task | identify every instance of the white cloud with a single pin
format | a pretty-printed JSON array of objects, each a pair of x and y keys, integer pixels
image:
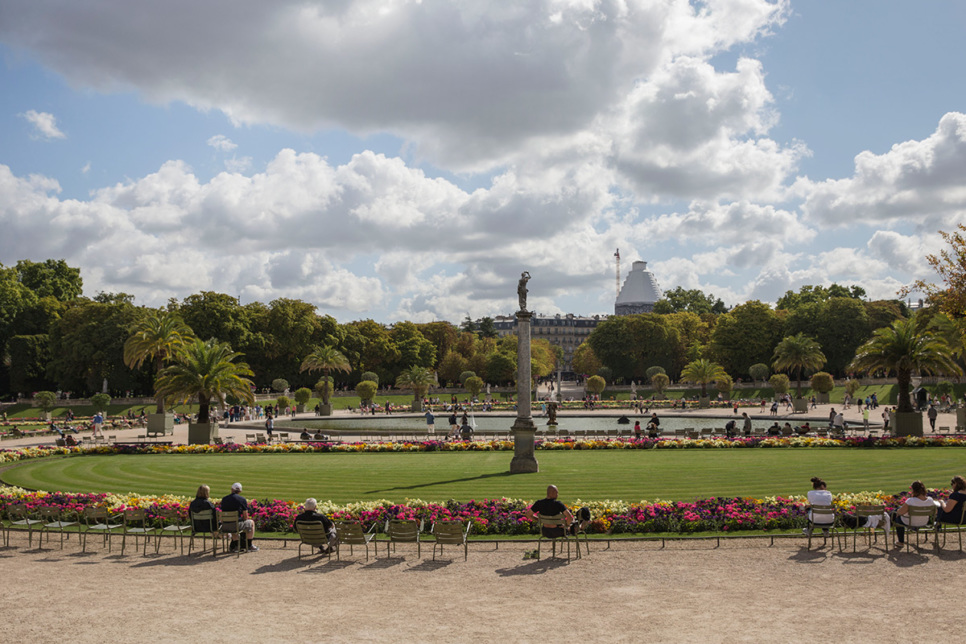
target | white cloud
[
  {"x": 920, "y": 181},
  {"x": 467, "y": 82},
  {"x": 221, "y": 143},
  {"x": 45, "y": 125}
]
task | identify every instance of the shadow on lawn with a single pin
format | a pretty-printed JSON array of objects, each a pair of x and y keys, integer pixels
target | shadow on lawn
[{"x": 420, "y": 485}]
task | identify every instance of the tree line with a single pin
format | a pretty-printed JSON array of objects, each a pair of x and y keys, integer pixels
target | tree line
[{"x": 52, "y": 337}]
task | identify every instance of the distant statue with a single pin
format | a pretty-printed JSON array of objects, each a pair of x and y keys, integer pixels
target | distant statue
[
  {"x": 522, "y": 290},
  {"x": 552, "y": 413}
]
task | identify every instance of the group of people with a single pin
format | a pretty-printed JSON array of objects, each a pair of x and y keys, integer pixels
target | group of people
[
  {"x": 460, "y": 429},
  {"x": 950, "y": 511},
  {"x": 233, "y": 502}
]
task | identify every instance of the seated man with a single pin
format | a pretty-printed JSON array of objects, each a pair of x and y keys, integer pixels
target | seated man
[
  {"x": 235, "y": 502},
  {"x": 309, "y": 515},
  {"x": 305, "y": 435},
  {"x": 774, "y": 430},
  {"x": 549, "y": 507}
]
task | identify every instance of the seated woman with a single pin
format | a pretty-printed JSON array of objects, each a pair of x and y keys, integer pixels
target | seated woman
[
  {"x": 952, "y": 510},
  {"x": 201, "y": 503},
  {"x": 919, "y": 499}
]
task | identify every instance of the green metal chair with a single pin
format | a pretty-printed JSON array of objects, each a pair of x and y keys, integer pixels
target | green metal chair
[
  {"x": 98, "y": 519},
  {"x": 136, "y": 524}
]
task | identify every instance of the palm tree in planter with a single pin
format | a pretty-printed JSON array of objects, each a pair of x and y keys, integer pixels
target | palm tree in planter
[
  {"x": 326, "y": 359},
  {"x": 798, "y": 353},
  {"x": 206, "y": 370},
  {"x": 703, "y": 372},
  {"x": 419, "y": 379},
  {"x": 903, "y": 348},
  {"x": 159, "y": 336}
]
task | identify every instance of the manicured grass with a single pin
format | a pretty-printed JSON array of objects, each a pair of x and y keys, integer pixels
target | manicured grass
[{"x": 437, "y": 476}]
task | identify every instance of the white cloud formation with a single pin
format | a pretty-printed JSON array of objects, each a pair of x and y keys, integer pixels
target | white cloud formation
[
  {"x": 467, "y": 81},
  {"x": 920, "y": 181},
  {"x": 45, "y": 125},
  {"x": 221, "y": 143}
]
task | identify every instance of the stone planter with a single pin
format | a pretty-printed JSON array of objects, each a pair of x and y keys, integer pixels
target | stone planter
[
  {"x": 202, "y": 433},
  {"x": 325, "y": 409},
  {"x": 906, "y": 423},
  {"x": 960, "y": 419},
  {"x": 704, "y": 402},
  {"x": 822, "y": 399},
  {"x": 800, "y": 405},
  {"x": 160, "y": 424},
  {"x": 417, "y": 404},
  {"x": 300, "y": 409}
]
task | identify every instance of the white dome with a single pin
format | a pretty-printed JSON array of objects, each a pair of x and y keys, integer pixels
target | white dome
[{"x": 640, "y": 287}]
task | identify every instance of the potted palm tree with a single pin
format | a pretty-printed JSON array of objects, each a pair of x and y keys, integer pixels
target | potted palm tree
[
  {"x": 906, "y": 347},
  {"x": 702, "y": 372},
  {"x": 798, "y": 353},
  {"x": 419, "y": 379},
  {"x": 206, "y": 371},
  {"x": 159, "y": 336},
  {"x": 326, "y": 359}
]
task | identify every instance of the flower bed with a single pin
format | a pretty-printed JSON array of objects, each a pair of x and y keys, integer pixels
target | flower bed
[
  {"x": 495, "y": 516},
  {"x": 14, "y": 455}
]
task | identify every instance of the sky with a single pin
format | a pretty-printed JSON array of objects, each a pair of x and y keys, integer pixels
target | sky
[{"x": 407, "y": 159}]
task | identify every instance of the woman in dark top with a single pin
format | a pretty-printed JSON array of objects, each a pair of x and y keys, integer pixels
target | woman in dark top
[
  {"x": 952, "y": 510},
  {"x": 201, "y": 503}
]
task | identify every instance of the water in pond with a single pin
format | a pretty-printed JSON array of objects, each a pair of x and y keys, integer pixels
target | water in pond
[{"x": 487, "y": 423}]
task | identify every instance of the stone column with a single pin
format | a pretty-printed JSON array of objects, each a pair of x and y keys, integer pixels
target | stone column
[{"x": 523, "y": 428}]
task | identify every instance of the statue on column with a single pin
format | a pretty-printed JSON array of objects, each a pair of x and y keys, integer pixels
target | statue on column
[{"x": 522, "y": 290}]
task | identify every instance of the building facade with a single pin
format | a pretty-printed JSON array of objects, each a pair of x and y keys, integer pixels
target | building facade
[{"x": 564, "y": 331}]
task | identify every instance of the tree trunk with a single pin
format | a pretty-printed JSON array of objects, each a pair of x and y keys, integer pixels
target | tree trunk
[
  {"x": 203, "y": 408},
  {"x": 159, "y": 408},
  {"x": 904, "y": 379}
]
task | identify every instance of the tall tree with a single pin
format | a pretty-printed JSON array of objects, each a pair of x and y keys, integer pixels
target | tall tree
[
  {"x": 158, "y": 336},
  {"x": 703, "y": 372},
  {"x": 52, "y": 277},
  {"x": 950, "y": 264},
  {"x": 746, "y": 335},
  {"x": 419, "y": 380},
  {"x": 206, "y": 370},
  {"x": 325, "y": 359},
  {"x": 694, "y": 300},
  {"x": 798, "y": 353},
  {"x": 903, "y": 348}
]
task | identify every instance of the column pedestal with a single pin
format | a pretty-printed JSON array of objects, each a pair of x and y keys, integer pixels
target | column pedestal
[{"x": 523, "y": 429}]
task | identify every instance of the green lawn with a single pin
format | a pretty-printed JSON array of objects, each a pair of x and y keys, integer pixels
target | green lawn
[{"x": 589, "y": 475}]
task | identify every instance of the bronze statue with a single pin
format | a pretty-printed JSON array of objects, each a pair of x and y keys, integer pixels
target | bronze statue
[
  {"x": 552, "y": 413},
  {"x": 522, "y": 290}
]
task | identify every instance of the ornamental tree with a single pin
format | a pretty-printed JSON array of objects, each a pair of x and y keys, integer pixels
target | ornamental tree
[
  {"x": 596, "y": 385},
  {"x": 822, "y": 382},
  {"x": 366, "y": 390}
]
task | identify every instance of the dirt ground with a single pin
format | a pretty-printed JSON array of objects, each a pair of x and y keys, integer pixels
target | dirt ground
[{"x": 742, "y": 591}]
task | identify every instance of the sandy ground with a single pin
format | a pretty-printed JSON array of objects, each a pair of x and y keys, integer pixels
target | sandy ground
[{"x": 743, "y": 591}]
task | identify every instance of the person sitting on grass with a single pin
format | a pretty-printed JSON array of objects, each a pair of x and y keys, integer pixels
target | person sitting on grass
[
  {"x": 235, "y": 502},
  {"x": 309, "y": 515},
  {"x": 952, "y": 510},
  {"x": 901, "y": 518}
]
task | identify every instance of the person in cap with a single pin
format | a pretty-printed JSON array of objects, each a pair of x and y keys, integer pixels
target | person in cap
[
  {"x": 235, "y": 502},
  {"x": 309, "y": 515}
]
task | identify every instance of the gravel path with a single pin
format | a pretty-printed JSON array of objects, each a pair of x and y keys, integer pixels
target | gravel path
[{"x": 743, "y": 591}]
